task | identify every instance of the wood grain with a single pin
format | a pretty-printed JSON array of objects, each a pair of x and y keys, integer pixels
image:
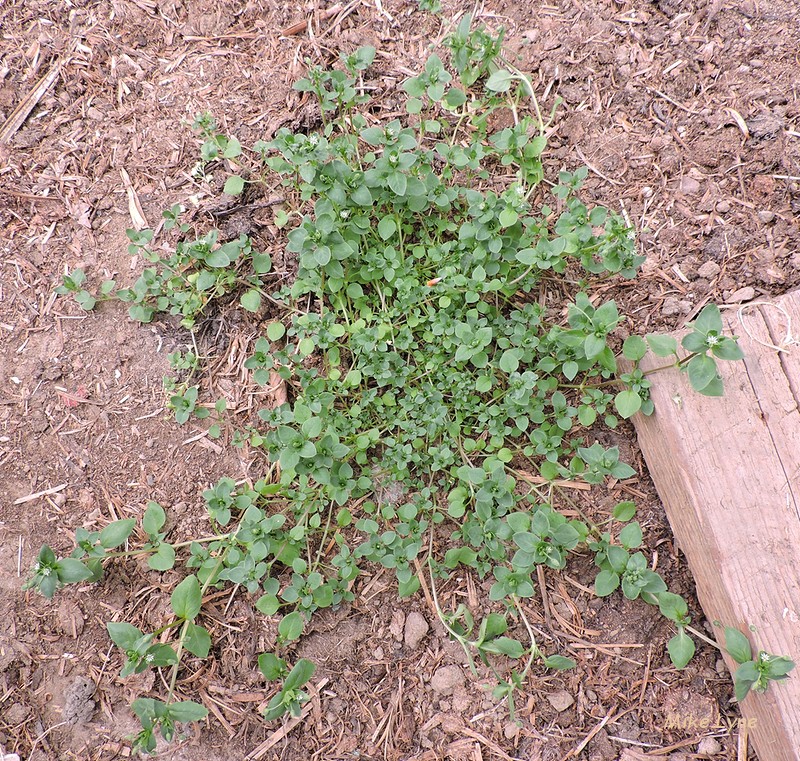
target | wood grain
[{"x": 728, "y": 472}]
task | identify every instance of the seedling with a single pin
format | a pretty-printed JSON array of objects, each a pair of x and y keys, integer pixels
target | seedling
[{"x": 755, "y": 672}]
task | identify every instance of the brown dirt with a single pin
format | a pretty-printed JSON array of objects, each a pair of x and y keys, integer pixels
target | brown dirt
[{"x": 687, "y": 113}]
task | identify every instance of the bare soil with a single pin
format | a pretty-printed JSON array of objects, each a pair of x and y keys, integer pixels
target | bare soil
[{"x": 687, "y": 114}]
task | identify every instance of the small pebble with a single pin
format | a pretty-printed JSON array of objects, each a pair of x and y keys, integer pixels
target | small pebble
[
  {"x": 747, "y": 293},
  {"x": 396, "y": 626},
  {"x": 511, "y": 730},
  {"x": 723, "y": 207},
  {"x": 708, "y": 746},
  {"x": 708, "y": 270},
  {"x": 689, "y": 186},
  {"x": 446, "y": 678},
  {"x": 766, "y": 216},
  {"x": 672, "y": 306},
  {"x": 560, "y": 700},
  {"x": 416, "y": 628}
]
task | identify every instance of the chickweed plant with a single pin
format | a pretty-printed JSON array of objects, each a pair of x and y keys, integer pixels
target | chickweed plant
[{"x": 420, "y": 359}]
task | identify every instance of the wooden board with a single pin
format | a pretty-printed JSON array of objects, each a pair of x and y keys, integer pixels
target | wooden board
[{"x": 728, "y": 472}]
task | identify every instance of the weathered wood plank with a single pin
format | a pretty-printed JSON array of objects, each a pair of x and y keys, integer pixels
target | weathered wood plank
[{"x": 728, "y": 472}]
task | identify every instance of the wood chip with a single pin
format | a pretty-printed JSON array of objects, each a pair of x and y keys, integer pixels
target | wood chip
[
  {"x": 134, "y": 207},
  {"x": 28, "y": 103}
]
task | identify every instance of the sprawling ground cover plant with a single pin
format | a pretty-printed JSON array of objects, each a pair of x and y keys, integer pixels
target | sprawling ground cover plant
[{"x": 435, "y": 399}]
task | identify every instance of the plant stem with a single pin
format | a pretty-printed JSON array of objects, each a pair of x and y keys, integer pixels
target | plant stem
[
  {"x": 185, "y": 627},
  {"x": 703, "y": 637}
]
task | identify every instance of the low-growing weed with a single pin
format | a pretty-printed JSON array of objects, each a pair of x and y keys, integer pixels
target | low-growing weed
[{"x": 422, "y": 357}]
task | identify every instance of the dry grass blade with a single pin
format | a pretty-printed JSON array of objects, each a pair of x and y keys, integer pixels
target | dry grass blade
[
  {"x": 28, "y": 103},
  {"x": 281, "y": 733},
  {"x": 36, "y": 495},
  {"x": 300, "y": 26}
]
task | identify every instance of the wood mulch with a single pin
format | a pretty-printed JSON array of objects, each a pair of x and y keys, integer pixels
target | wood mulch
[{"x": 686, "y": 113}]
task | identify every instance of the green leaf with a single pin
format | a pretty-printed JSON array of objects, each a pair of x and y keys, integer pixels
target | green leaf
[
  {"x": 713, "y": 389},
  {"x": 299, "y": 675},
  {"x": 527, "y": 256},
  {"x": 116, "y": 533},
  {"x": 251, "y": 300},
  {"x": 605, "y": 583},
  {"x": 695, "y": 342},
  {"x": 276, "y": 708},
  {"x": 272, "y": 667},
  {"x": 291, "y": 627},
  {"x": 508, "y": 217},
  {"x": 123, "y": 635},
  {"x": 187, "y": 710},
  {"x": 593, "y": 345},
  {"x": 234, "y": 185},
  {"x": 627, "y": 403},
  {"x": 672, "y": 606},
  {"x": 219, "y": 258},
  {"x": 634, "y": 348},
  {"x": 662, "y": 346},
  {"x": 483, "y": 384},
  {"x": 163, "y": 558},
  {"x": 681, "y": 649},
  {"x": 141, "y": 313},
  {"x": 186, "y": 598},
  {"x": 197, "y": 640},
  {"x": 493, "y": 626},
  {"x": 727, "y": 349},
  {"x": 624, "y": 511},
  {"x": 504, "y": 646},
  {"x": 509, "y": 360},
  {"x": 262, "y": 263},
  {"x": 268, "y": 604},
  {"x": 709, "y": 320},
  {"x": 570, "y": 369},
  {"x": 408, "y": 587},
  {"x": 70, "y": 571},
  {"x": 86, "y": 300},
  {"x": 154, "y": 518},
  {"x": 631, "y": 536},
  {"x": 745, "y": 678},
  {"x": 500, "y": 81},
  {"x": 737, "y": 645},
  {"x": 387, "y": 227},
  {"x": 454, "y": 98},
  {"x": 233, "y": 148},
  {"x": 702, "y": 370},
  {"x": 559, "y": 662},
  {"x": 413, "y": 106},
  {"x": 276, "y": 331},
  {"x": 148, "y": 708}
]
